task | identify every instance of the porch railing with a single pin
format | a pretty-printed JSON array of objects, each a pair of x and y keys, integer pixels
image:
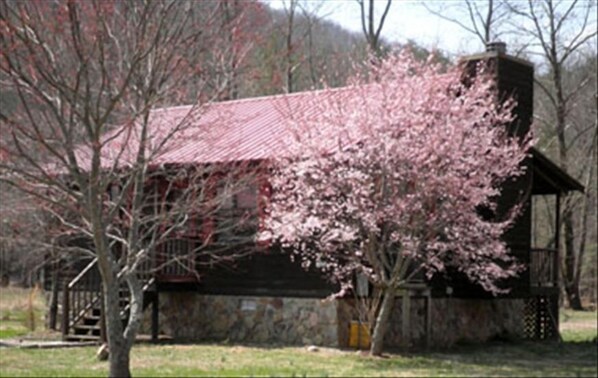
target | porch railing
[
  {"x": 543, "y": 267},
  {"x": 80, "y": 295},
  {"x": 176, "y": 259}
]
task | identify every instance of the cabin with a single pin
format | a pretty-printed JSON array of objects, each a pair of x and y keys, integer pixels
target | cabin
[{"x": 267, "y": 298}]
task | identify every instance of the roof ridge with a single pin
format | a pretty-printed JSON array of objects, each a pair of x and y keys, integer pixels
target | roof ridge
[
  {"x": 169, "y": 108},
  {"x": 258, "y": 98},
  {"x": 273, "y": 96}
]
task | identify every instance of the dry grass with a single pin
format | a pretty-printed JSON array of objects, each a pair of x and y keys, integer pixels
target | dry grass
[
  {"x": 22, "y": 313},
  {"x": 16, "y": 298}
]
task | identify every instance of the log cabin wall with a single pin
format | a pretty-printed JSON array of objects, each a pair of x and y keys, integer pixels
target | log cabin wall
[{"x": 268, "y": 272}]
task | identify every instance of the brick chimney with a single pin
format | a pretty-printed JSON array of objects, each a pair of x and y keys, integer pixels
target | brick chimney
[{"x": 514, "y": 77}]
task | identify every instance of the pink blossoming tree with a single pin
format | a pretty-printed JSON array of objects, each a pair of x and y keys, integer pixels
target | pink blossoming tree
[{"x": 386, "y": 178}]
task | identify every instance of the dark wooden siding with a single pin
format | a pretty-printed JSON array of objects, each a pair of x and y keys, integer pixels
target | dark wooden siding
[
  {"x": 264, "y": 273},
  {"x": 519, "y": 286},
  {"x": 516, "y": 80},
  {"x": 518, "y": 238}
]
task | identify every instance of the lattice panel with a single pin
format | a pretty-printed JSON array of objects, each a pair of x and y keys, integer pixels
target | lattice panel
[
  {"x": 529, "y": 318},
  {"x": 540, "y": 318}
]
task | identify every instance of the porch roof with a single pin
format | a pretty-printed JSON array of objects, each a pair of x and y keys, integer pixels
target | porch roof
[{"x": 549, "y": 178}]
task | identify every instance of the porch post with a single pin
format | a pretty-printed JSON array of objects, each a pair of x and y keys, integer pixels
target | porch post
[
  {"x": 103, "y": 335},
  {"x": 65, "y": 309},
  {"x": 406, "y": 315},
  {"x": 557, "y": 221},
  {"x": 428, "y": 318},
  {"x": 557, "y": 240},
  {"x": 155, "y": 316},
  {"x": 554, "y": 300}
]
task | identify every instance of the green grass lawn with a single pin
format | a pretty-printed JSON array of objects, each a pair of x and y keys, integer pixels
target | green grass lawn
[
  {"x": 526, "y": 359},
  {"x": 575, "y": 357},
  {"x": 579, "y": 326}
]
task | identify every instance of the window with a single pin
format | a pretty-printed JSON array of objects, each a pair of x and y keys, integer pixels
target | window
[
  {"x": 362, "y": 285},
  {"x": 151, "y": 200},
  {"x": 237, "y": 215},
  {"x": 182, "y": 206}
]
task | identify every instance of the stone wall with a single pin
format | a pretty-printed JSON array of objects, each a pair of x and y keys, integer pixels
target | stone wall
[
  {"x": 453, "y": 321},
  {"x": 188, "y": 316},
  {"x": 468, "y": 320},
  {"x": 293, "y": 321}
]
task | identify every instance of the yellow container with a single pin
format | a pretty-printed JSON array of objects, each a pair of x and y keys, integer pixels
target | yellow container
[{"x": 359, "y": 335}]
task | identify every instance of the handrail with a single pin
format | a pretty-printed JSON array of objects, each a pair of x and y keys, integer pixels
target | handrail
[
  {"x": 544, "y": 250},
  {"x": 145, "y": 287},
  {"x": 175, "y": 257},
  {"x": 83, "y": 292},
  {"x": 79, "y": 296},
  {"x": 83, "y": 273}
]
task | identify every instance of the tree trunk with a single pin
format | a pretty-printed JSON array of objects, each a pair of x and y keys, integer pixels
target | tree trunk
[
  {"x": 571, "y": 283},
  {"x": 573, "y": 296},
  {"x": 289, "y": 47},
  {"x": 382, "y": 322},
  {"x": 118, "y": 347},
  {"x": 135, "y": 309},
  {"x": 119, "y": 361}
]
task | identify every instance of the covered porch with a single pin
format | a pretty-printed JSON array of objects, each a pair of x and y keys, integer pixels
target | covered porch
[{"x": 550, "y": 186}]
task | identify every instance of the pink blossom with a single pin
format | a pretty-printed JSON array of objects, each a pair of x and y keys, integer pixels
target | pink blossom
[{"x": 394, "y": 171}]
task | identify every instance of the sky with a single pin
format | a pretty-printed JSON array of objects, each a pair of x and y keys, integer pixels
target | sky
[
  {"x": 410, "y": 20},
  {"x": 406, "y": 20}
]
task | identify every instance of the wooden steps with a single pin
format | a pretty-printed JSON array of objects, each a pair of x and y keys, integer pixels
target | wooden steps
[
  {"x": 88, "y": 328},
  {"x": 82, "y": 305}
]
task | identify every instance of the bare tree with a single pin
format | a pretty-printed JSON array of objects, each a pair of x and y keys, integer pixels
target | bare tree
[
  {"x": 485, "y": 19},
  {"x": 290, "y": 10},
  {"x": 87, "y": 138},
  {"x": 371, "y": 31},
  {"x": 311, "y": 16},
  {"x": 558, "y": 32},
  {"x": 297, "y": 14},
  {"x": 229, "y": 60},
  {"x": 296, "y": 30}
]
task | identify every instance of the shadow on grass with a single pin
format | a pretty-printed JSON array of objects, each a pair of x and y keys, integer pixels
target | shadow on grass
[
  {"x": 495, "y": 358},
  {"x": 500, "y": 358}
]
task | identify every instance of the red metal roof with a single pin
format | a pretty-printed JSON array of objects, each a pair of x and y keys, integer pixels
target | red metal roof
[{"x": 238, "y": 130}]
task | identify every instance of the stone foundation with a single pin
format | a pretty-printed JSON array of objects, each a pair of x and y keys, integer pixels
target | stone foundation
[
  {"x": 475, "y": 321},
  {"x": 292, "y": 321},
  {"x": 453, "y": 321},
  {"x": 303, "y": 321}
]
